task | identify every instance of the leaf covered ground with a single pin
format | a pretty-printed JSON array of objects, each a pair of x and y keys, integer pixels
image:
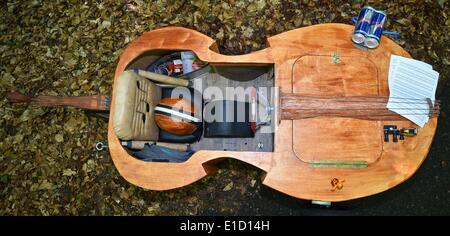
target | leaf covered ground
[{"x": 48, "y": 163}]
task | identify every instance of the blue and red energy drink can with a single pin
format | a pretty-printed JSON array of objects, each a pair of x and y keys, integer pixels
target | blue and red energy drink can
[
  {"x": 362, "y": 26},
  {"x": 376, "y": 29}
]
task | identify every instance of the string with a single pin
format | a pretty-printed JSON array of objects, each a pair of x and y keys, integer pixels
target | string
[
  {"x": 406, "y": 101},
  {"x": 381, "y": 101},
  {"x": 375, "y": 99},
  {"x": 381, "y": 109},
  {"x": 364, "y": 115},
  {"x": 388, "y": 114}
]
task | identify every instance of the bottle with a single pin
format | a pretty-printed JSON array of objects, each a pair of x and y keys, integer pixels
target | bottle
[{"x": 187, "y": 57}]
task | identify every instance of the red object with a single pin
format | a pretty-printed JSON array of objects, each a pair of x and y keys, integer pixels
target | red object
[{"x": 253, "y": 126}]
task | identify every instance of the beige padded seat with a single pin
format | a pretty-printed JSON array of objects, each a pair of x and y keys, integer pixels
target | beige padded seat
[{"x": 135, "y": 100}]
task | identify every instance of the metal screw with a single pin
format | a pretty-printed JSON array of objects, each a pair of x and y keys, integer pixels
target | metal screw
[
  {"x": 100, "y": 146},
  {"x": 260, "y": 145}
]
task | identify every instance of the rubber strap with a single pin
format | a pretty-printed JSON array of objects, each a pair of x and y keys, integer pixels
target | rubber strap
[{"x": 396, "y": 35}]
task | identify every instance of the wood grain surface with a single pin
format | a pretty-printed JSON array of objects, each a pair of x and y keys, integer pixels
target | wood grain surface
[{"x": 303, "y": 60}]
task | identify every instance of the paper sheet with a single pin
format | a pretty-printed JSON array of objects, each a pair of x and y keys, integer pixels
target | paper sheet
[{"x": 412, "y": 85}]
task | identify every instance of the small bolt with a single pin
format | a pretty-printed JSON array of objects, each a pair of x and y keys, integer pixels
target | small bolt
[{"x": 100, "y": 146}]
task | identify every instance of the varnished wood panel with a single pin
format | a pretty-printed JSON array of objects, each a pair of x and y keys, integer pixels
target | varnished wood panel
[
  {"x": 336, "y": 138},
  {"x": 342, "y": 139},
  {"x": 327, "y": 77}
]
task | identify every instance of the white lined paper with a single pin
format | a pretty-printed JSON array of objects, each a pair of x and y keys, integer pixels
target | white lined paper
[{"x": 411, "y": 84}]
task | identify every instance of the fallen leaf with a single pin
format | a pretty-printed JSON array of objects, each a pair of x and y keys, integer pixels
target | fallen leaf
[
  {"x": 69, "y": 172},
  {"x": 59, "y": 138},
  {"x": 228, "y": 187}
]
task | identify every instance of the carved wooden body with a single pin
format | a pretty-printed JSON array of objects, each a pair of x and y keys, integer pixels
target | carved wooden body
[{"x": 304, "y": 66}]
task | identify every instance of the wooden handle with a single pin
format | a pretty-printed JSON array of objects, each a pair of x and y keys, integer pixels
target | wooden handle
[
  {"x": 95, "y": 102},
  {"x": 163, "y": 78},
  {"x": 295, "y": 107},
  {"x": 16, "y": 97},
  {"x": 140, "y": 145}
]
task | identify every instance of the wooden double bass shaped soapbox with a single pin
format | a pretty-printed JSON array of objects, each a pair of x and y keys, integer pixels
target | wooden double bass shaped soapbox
[
  {"x": 327, "y": 134},
  {"x": 328, "y": 141}
]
